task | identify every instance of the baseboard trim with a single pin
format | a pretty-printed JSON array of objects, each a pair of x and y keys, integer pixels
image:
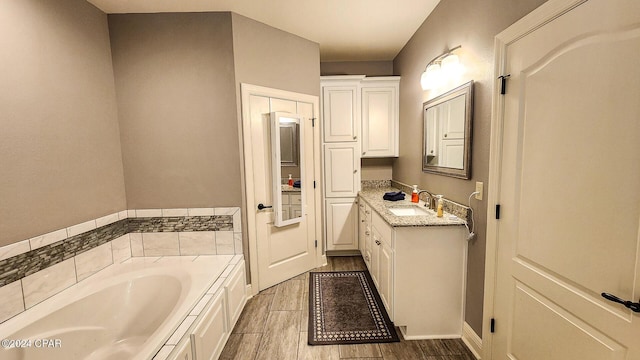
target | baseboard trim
[
  {"x": 249, "y": 291},
  {"x": 472, "y": 340}
]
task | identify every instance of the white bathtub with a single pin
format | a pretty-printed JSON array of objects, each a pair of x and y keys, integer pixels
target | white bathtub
[{"x": 126, "y": 311}]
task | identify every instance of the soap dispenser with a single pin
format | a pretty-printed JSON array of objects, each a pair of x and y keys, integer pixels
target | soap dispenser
[
  {"x": 414, "y": 194},
  {"x": 290, "y": 180},
  {"x": 440, "y": 205}
]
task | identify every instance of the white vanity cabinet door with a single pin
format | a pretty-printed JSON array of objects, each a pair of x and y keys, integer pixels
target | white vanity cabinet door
[
  {"x": 341, "y": 224},
  {"x": 212, "y": 332},
  {"x": 340, "y": 113},
  {"x": 183, "y": 351},
  {"x": 380, "y": 118},
  {"x": 385, "y": 276},
  {"x": 235, "y": 292},
  {"x": 341, "y": 170}
]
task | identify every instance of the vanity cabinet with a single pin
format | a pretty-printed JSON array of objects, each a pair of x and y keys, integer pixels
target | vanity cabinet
[
  {"x": 380, "y": 117},
  {"x": 419, "y": 272},
  {"x": 364, "y": 231},
  {"x": 341, "y": 226}
]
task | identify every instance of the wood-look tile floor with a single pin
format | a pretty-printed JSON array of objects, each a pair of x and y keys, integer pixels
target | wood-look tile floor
[{"x": 273, "y": 326}]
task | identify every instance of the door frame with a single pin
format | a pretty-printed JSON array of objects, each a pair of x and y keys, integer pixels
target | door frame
[
  {"x": 248, "y": 90},
  {"x": 548, "y": 11}
]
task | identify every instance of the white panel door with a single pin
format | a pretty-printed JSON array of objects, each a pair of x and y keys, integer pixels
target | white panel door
[
  {"x": 340, "y": 113},
  {"x": 282, "y": 252},
  {"x": 341, "y": 170},
  {"x": 569, "y": 187},
  {"x": 379, "y": 121},
  {"x": 342, "y": 224}
]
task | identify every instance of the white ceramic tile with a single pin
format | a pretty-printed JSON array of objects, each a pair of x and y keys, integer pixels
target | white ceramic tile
[
  {"x": 124, "y": 214},
  {"x": 14, "y": 249},
  {"x": 175, "y": 212},
  {"x": 237, "y": 243},
  {"x": 236, "y": 259},
  {"x": 81, "y": 228},
  {"x": 94, "y": 260},
  {"x": 149, "y": 213},
  {"x": 106, "y": 220},
  {"x": 216, "y": 286},
  {"x": 201, "y": 212},
  {"x": 224, "y": 243},
  {"x": 227, "y": 270},
  {"x": 141, "y": 260},
  {"x": 131, "y": 214},
  {"x": 225, "y": 210},
  {"x": 48, "y": 282},
  {"x": 237, "y": 221},
  {"x": 177, "y": 259},
  {"x": 201, "y": 305},
  {"x": 46, "y": 239},
  {"x": 160, "y": 244},
  {"x": 164, "y": 352},
  {"x": 136, "y": 244},
  {"x": 197, "y": 243},
  {"x": 181, "y": 330},
  {"x": 12, "y": 302},
  {"x": 121, "y": 248}
]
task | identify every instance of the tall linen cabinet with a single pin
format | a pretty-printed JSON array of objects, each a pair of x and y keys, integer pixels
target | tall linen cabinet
[{"x": 359, "y": 117}]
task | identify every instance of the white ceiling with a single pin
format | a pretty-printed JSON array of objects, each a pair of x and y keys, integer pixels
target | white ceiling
[{"x": 347, "y": 30}]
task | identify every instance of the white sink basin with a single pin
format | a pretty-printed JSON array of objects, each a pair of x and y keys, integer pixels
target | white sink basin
[{"x": 408, "y": 211}]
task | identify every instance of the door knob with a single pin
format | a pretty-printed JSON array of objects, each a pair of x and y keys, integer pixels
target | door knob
[
  {"x": 629, "y": 304},
  {"x": 261, "y": 206}
]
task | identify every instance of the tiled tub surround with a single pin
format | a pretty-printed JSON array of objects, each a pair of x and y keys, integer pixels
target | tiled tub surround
[
  {"x": 170, "y": 293},
  {"x": 38, "y": 268}
]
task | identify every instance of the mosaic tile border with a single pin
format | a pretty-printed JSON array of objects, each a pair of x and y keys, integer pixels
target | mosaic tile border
[
  {"x": 27, "y": 257},
  {"x": 452, "y": 207}
]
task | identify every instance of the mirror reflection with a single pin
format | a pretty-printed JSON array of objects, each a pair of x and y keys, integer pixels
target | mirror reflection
[
  {"x": 287, "y": 182},
  {"x": 447, "y": 133}
]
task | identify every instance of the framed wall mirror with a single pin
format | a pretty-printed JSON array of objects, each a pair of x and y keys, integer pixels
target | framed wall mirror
[
  {"x": 286, "y": 159},
  {"x": 447, "y": 133}
]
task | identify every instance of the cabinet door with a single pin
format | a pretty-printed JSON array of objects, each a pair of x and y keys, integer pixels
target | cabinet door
[
  {"x": 374, "y": 270},
  {"x": 341, "y": 170},
  {"x": 340, "y": 113},
  {"x": 212, "y": 332},
  {"x": 385, "y": 276},
  {"x": 235, "y": 292},
  {"x": 380, "y": 121},
  {"x": 362, "y": 230},
  {"x": 342, "y": 224}
]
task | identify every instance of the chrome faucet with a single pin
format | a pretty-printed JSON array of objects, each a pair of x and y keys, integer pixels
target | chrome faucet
[{"x": 430, "y": 202}]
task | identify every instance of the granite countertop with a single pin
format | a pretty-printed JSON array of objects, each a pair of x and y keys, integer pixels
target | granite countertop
[
  {"x": 373, "y": 197},
  {"x": 287, "y": 188}
]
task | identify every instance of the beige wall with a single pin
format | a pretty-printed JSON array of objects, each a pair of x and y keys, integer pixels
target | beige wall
[
  {"x": 472, "y": 24},
  {"x": 60, "y": 160},
  {"x": 174, "y": 77},
  {"x": 273, "y": 58},
  {"x": 369, "y": 68}
]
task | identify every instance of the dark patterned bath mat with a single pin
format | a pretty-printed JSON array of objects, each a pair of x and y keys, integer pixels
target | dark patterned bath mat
[{"x": 345, "y": 308}]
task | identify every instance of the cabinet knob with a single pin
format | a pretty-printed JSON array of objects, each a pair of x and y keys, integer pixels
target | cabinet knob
[
  {"x": 364, "y": 152},
  {"x": 362, "y": 220},
  {"x": 355, "y": 137},
  {"x": 378, "y": 242},
  {"x": 445, "y": 135},
  {"x": 367, "y": 233},
  {"x": 355, "y": 171}
]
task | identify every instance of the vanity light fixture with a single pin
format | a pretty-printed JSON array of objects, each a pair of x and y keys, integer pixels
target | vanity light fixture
[{"x": 442, "y": 67}]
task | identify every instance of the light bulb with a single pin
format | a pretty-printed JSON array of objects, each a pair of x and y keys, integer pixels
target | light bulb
[{"x": 430, "y": 78}]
